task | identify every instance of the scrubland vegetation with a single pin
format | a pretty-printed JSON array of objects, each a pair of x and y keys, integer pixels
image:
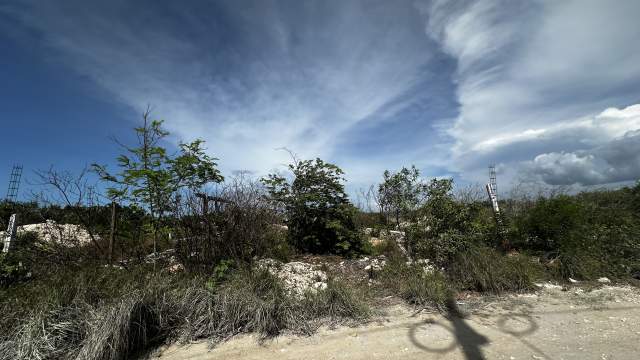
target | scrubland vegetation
[{"x": 179, "y": 265}]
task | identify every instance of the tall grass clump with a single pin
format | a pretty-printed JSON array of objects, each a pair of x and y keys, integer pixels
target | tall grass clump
[
  {"x": 484, "y": 269},
  {"x": 112, "y": 320},
  {"x": 248, "y": 302},
  {"x": 414, "y": 285},
  {"x": 337, "y": 302},
  {"x": 256, "y": 302}
]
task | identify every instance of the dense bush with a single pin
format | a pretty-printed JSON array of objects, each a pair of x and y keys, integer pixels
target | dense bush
[
  {"x": 318, "y": 213},
  {"x": 584, "y": 236},
  {"x": 444, "y": 226},
  {"x": 549, "y": 221}
]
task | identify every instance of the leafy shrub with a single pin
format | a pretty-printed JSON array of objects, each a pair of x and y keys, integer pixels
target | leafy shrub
[
  {"x": 400, "y": 193},
  {"x": 444, "y": 227},
  {"x": 585, "y": 236},
  {"x": 443, "y": 247},
  {"x": 549, "y": 221},
  {"x": 318, "y": 213},
  {"x": 10, "y": 270},
  {"x": 15, "y": 265},
  {"x": 595, "y": 250}
]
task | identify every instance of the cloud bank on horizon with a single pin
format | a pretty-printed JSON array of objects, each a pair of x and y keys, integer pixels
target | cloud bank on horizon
[{"x": 549, "y": 90}]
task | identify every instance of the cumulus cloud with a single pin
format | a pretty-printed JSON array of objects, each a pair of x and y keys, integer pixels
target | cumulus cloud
[{"x": 616, "y": 161}]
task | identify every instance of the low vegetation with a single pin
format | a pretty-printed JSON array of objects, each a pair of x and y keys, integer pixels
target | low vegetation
[
  {"x": 413, "y": 284},
  {"x": 113, "y": 314},
  {"x": 171, "y": 254}
]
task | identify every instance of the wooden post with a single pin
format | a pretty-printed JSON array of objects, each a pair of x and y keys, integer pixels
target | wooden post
[{"x": 112, "y": 233}]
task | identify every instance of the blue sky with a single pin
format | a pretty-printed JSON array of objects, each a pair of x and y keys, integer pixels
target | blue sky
[{"x": 547, "y": 90}]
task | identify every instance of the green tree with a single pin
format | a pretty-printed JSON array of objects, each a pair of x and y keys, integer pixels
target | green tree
[
  {"x": 319, "y": 215},
  {"x": 150, "y": 178},
  {"x": 400, "y": 193}
]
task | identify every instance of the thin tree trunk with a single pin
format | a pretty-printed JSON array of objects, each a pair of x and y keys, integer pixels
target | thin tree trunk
[{"x": 112, "y": 233}]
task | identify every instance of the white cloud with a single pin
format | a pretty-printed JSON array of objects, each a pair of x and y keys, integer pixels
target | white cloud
[
  {"x": 271, "y": 79},
  {"x": 532, "y": 77},
  {"x": 615, "y": 161}
]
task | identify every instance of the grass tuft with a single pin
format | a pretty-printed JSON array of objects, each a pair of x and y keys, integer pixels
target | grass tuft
[
  {"x": 410, "y": 282},
  {"x": 486, "y": 270}
]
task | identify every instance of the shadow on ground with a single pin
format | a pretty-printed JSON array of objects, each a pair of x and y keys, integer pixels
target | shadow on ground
[
  {"x": 464, "y": 336},
  {"x": 470, "y": 342}
]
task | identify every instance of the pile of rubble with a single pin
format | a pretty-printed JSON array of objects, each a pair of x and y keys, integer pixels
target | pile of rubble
[
  {"x": 297, "y": 277},
  {"x": 50, "y": 231}
]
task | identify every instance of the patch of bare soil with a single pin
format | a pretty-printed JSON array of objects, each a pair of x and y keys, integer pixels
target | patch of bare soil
[{"x": 554, "y": 323}]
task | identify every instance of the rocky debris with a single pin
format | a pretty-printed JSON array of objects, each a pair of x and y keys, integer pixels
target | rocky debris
[
  {"x": 113, "y": 266},
  {"x": 573, "y": 281},
  {"x": 374, "y": 264},
  {"x": 365, "y": 264},
  {"x": 387, "y": 235},
  {"x": 63, "y": 234},
  {"x": 297, "y": 277},
  {"x": 604, "y": 280},
  {"x": 168, "y": 255},
  {"x": 166, "y": 258},
  {"x": 426, "y": 265},
  {"x": 548, "y": 286},
  {"x": 175, "y": 268},
  {"x": 614, "y": 293}
]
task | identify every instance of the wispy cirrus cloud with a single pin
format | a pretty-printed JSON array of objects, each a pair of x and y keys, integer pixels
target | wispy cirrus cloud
[
  {"x": 251, "y": 77},
  {"x": 533, "y": 77},
  {"x": 536, "y": 87}
]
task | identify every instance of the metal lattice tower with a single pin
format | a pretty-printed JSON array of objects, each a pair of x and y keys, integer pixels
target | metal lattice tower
[
  {"x": 492, "y": 179},
  {"x": 90, "y": 195},
  {"x": 14, "y": 183}
]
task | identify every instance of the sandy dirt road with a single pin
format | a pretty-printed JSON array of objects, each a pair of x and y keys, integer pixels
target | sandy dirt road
[{"x": 551, "y": 324}]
